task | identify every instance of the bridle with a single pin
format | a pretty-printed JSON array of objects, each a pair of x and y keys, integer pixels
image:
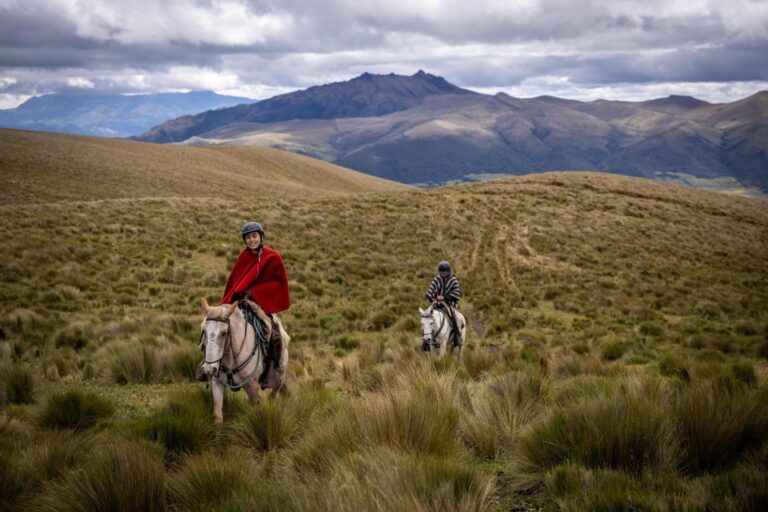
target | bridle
[
  {"x": 227, "y": 342},
  {"x": 432, "y": 336},
  {"x": 258, "y": 342}
]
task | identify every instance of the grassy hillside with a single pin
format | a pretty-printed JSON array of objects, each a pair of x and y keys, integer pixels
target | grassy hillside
[
  {"x": 45, "y": 167},
  {"x": 616, "y": 357}
]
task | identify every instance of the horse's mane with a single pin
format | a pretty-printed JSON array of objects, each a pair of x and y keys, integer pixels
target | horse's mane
[{"x": 218, "y": 312}]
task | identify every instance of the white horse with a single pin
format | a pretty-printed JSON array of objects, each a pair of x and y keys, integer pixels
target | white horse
[
  {"x": 436, "y": 330},
  {"x": 233, "y": 348}
]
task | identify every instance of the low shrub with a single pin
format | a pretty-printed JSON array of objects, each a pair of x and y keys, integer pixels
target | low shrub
[{"x": 74, "y": 409}]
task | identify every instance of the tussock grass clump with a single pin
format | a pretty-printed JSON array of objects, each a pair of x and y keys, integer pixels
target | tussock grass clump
[
  {"x": 417, "y": 421},
  {"x": 122, "y": 477},
  {"x": 494, "y": 418},
  {"x": 75, "y": 336},
  {"x": 181, "y": 364},
  {"x": 53, "y": 453},
  {"x": 613, "y": 349},
  {"x": 15, "y": 479},
  {"x": 18, "y": 385},
  {"x": 576, "y": 488},
  {"x": 744, "y": 488},
  {"x": 206, "y": 480},
  {"x": 183, "y": 425},
  {"x": 744, "y": 372},
  {"x": 418, "y": 415},
  {"x": 672, "y": 365},
  {"x": 136, "y": 364},
  {"x": 408, "y": 482},
  {"x": 479, "y": 361},
  {"x": 717, "y": 424},
  {"x": 268, "y": 426},
  {"x": 13, "y": 433},
  {"x": 328, "y": 441},
  {"x": 74, "y": 409},
  {"x": 621, "y": 431},
  {"x": 379, "y": 479}
]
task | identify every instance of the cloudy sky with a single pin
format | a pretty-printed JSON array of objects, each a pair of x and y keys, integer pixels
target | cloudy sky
[{"x": 716, "y": 50}]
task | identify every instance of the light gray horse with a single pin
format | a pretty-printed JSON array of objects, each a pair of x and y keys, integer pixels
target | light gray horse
[
  {"x": 233, "y": 357},
  {"x": 436, "y": 330}
]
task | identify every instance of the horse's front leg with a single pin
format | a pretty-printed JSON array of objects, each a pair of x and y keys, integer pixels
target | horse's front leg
[
  {"x": 443, "y": 345},
  {"x": 218, "y": 401},
  {"x": 252, "y": 390}
]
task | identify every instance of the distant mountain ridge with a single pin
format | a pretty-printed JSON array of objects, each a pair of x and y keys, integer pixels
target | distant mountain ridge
[
  {"x": 423, "y": 129},
  {"x": 110, "y": 115},
  {"x": 365, "y": 96}
]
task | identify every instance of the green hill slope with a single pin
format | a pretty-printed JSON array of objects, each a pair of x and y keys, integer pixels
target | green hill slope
[
  {"x": 46, "y": 167},
  {"x": 618, "y": 332}
]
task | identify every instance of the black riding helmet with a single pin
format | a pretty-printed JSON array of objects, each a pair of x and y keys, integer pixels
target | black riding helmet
[
  {"x": 444, "y": 266},
  {"x": 252, "y": 227}
]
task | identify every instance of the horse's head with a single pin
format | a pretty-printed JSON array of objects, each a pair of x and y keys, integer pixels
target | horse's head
[
  {"x": 215, "y": 337},
  {"x": 427, "y": 326}
]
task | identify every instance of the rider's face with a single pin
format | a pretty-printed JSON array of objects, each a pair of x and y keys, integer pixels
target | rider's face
[{"x": 253, "y": 240}]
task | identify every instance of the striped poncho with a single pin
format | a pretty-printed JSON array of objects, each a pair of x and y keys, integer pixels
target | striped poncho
[{"x": 447, "y": 286}]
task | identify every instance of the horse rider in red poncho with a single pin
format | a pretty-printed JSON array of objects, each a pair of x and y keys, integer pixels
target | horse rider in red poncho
[{"x": 259, "y": 275}]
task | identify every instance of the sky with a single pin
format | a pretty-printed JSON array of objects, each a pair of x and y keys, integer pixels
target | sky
[{"x": 715, "y": 50}]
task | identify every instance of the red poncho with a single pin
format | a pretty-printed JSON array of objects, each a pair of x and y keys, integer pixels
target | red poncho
[{"x": 264, "y": 275}]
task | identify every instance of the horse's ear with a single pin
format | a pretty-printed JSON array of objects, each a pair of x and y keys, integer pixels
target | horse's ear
[
  {"x": 232, "y": 308},
  {"x": 421, "y": 311},
  {"x": 204, "y": 305}
]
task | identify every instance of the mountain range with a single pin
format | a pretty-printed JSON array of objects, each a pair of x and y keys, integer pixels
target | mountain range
[
  {"x": 109, "y": 115},
  {"x": 422, "y": 129}
]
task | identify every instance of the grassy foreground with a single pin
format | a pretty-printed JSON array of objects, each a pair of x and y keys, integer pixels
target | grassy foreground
[{"x": 616, "y": 356}]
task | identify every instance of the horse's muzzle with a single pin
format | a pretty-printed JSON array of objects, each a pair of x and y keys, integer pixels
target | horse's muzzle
[
  {"x": 211, "y": 370},
  {"x": 426, "y": 346}
]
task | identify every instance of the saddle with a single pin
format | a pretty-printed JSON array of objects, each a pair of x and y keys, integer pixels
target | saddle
[
  {"x": 271, "y": 343},
  {"x": 450, "y": 312}
]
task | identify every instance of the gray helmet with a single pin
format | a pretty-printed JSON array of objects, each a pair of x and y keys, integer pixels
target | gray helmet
[
  {"x": 443, "y": 266},
  {"x": 252, "y": 227}
]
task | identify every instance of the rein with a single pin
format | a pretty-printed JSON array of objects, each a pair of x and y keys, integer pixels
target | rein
[
  {"x": 258, "y": 343},
  {"x": 434, "y": 334}
]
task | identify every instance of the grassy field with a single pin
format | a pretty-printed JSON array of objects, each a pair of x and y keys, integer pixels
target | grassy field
[{"x": 616, "y": 357}]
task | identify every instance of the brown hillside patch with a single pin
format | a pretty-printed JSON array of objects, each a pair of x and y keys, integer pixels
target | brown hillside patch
[{"x": 45, "y": 167}]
